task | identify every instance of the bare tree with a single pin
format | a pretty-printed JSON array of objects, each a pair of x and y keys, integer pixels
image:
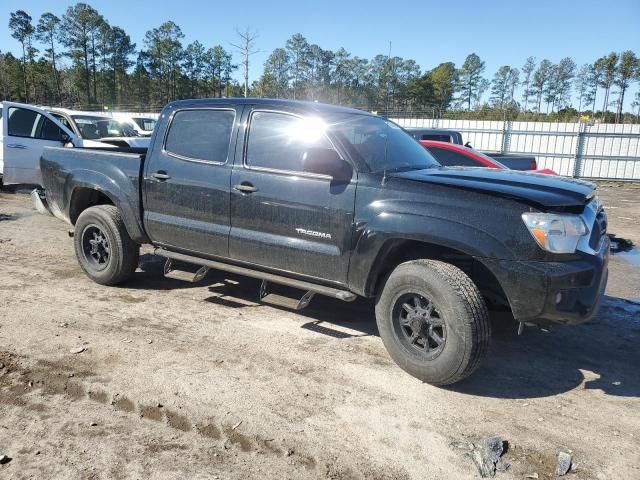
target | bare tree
[{"x": 246, "y": 47}]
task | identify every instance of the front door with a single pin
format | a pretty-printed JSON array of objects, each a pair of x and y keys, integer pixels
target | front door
[
  {"x": 186, "y": 181},
  {"x": 26, "y": 130},
  {"x": 281, "y": 217}
]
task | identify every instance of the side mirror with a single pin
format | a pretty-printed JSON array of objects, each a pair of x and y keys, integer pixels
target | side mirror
[
  {"x": 65, "y": 138},
  {"x": 326, "y": 161}
]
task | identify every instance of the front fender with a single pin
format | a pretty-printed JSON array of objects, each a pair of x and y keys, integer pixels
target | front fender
[{"x": 374, "y": 240}]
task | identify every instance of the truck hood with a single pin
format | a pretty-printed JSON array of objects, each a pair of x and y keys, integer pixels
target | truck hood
[{"x": 545, "y": 191}]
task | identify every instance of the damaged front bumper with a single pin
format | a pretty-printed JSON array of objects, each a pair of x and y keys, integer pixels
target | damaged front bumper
[
  {"x": 547, "y": 293},
  {"x": 40, "y": 201}
]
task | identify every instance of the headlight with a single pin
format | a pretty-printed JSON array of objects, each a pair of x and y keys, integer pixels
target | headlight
[{"x": 557, "y": 233}]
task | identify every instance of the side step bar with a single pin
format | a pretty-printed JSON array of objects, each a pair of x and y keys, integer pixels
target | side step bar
[
  {"x": 344, "y": 295},
  {"x": 175, "y": 273}
]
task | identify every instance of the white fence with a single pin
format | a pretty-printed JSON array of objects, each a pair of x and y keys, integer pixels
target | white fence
[
  {"x": 135, "y": 114},
  {"x": 605, "y": 151}
]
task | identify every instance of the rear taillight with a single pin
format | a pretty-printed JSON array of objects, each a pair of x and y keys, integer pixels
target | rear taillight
[{"x": 534, "y": 165}]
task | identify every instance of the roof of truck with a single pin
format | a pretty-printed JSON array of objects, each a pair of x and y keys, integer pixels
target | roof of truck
[
  {"x": 77, "y": 112},
  {"x": 319, "y": 107}
]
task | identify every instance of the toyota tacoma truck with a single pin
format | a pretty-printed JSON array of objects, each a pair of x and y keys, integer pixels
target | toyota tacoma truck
[{"x": 337, "y": 202}]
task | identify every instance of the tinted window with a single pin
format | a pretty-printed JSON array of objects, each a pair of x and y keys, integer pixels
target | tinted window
[
  {"x": 28, "y": 123},
  {"x": 436, "y": 137},
  {"x": 278, "y": 140},
  {"x": 49, "y": 130},
  {"x": 22, "y": 122},
  {"x": 201, "y": 134},
  {"x": 450, "y": 158}
]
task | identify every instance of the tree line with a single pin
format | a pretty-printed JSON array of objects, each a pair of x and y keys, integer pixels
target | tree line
[{"x": 79, "y": 59}]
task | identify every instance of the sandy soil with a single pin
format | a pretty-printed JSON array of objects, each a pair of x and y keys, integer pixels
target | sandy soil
[{"x": 201, "y": 381}]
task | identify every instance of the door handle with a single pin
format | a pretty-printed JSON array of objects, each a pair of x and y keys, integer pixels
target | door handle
[
  {"x": 161, "y": 175},
  {"x": 16, "y": 145},
  {"x": 245, "y": 188}
]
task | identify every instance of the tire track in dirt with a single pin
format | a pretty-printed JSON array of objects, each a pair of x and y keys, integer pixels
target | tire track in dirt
[{"x": 20, "y": 379}]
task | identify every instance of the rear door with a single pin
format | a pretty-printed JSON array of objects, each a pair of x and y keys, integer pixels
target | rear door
[
  {"x": 186, "y": 181},
  {"x": 281, "y": 217},
  {"x": 26, "y": 130}
]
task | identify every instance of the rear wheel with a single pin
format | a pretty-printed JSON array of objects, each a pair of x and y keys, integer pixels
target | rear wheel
[
  {"x": 433, "y": 321},
  {"x": 104, "y": 249}
]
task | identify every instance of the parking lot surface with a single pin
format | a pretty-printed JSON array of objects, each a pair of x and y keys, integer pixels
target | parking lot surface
[{"x": 180, "y": 380}]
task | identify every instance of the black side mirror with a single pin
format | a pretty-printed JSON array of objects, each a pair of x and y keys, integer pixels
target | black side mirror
[
  {"x": 326, "y": 161},
  {"x": 65, "y": 138}
]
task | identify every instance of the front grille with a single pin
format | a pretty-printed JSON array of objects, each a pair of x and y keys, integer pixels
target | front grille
[{"x": 599, "y": 230}]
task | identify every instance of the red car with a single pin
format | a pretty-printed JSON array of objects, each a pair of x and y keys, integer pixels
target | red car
[{"x": 452, "y": 155}]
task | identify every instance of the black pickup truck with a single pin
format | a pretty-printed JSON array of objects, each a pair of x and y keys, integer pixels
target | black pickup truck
[{"x": 338, "y": 202}]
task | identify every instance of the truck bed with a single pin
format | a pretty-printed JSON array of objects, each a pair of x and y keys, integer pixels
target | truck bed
[
  {"x": 66, "y": 171},
  {"x": 514, "y": 162}
]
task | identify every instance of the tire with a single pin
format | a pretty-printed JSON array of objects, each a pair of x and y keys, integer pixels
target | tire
[
  {"x": 103, "y": 246},
  {"x": 426, "y": 300}
]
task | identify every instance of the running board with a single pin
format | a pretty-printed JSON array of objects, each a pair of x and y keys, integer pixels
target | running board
[
  {"x": 170, "y": 271},
  {"x": 340, "y": 294},
  {"x": 292, "y": 303}
]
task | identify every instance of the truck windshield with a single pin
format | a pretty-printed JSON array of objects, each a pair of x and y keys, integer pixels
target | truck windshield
[
  {"x": 380, "y": 144},
  {"x": 93, "y": 128}
]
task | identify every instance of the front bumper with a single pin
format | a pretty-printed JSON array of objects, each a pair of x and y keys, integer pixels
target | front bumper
[{"x": 554, "y": 292}]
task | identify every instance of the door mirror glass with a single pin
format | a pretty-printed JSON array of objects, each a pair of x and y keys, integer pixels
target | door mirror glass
[{"x": 326, "y": 161}]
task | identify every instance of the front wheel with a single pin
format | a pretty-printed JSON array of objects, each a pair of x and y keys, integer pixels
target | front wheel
[
  {"x": 433, "y": 321},
  {"x": 104, "y": 249}
]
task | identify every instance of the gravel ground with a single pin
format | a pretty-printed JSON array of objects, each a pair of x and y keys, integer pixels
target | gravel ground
[{"x": 201, "y": 381}]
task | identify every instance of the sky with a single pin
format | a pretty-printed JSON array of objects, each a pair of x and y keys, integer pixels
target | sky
[{"x": 501, "y": 32}]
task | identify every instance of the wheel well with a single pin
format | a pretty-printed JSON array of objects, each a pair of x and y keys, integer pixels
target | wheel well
[
  {"x": 400, "y": 251},
  {"x": 84, "y": 198}
]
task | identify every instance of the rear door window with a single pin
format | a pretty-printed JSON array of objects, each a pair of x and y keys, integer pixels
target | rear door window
[
  {"x": 451, "y": 158},
  {"x": 201, "y": 135}
]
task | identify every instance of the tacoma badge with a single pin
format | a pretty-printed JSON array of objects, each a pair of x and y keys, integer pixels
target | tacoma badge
[{"x": 311, "y": 233}]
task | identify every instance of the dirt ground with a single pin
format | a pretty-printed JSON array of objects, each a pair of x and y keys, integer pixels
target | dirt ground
[{"x": 201, "y": 381}]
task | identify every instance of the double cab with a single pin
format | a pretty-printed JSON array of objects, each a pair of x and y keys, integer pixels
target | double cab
[{"x": 338, "y": 202}]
